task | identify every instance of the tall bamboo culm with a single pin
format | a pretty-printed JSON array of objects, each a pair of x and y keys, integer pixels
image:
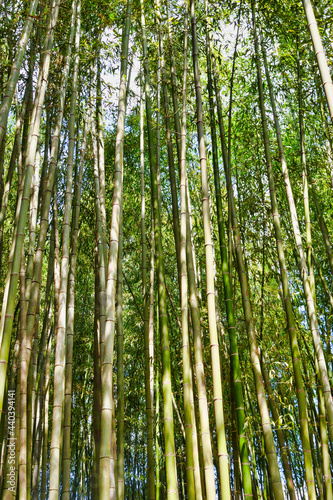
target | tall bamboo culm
[
  {"x": 170, "y": 455},
  {"x": 325, "y": 458},
  {"x": 207, "y": 478},
  {"x": 107, "y": 356},
  {"x": 23, "y": 205},
  {"x": 148, "y": 331},
  {"x": 310, "y": 302},
  {"x": 249, "y": 322},
  {"x": 187, "y": 368},
  {"x": 304, "y": 425},
  {"x": 61, "y": 332},
  {"x": 214, "y": 343},
  {"x": 120, "y": 372},
  {"x": 320, "y": 54},
  {"x": 234, "y": 357},
  {"x": 66, "y": 453},
  {"x": 15, "y": 70}
]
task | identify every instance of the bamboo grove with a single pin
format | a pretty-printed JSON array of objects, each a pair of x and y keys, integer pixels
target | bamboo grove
[{"x": 166, "y": 259}]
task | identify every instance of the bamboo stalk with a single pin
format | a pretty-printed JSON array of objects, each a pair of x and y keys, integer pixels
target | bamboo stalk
[
  {"x": 228, "y": 298},
  {"x": 303, "y": 417},
  {"x": 15, "y": 70},
  {"x": 23, "y": 201},
  {"x": 147, "y": 313},
  {"x": 107, "y": 356},
  {"x": 170, "y": 455},
  {"x": 60, "y": 343},
  {"x": 251, "y": 332},
  {"x": 66, "y": 455},
  {"x": 187, "y": 371},
  {"x": 120, "y": 372},
  {"x": 214, "y": 344},
  {"x": 310, "y": 303},
  {"x": 320, "y": 54}
]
